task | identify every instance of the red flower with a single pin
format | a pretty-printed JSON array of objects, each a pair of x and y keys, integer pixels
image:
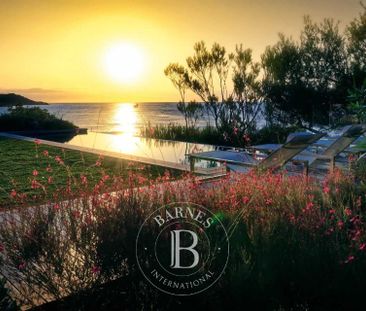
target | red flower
[
  {"x": 35, "y": 173},
  {"x": 13, "y": 193},
  {"x": 362, "y": 246},
  {"x": 246, "y": 138},
  {"x": 326, "y": 189},
  {"x": 58, "y": 160},
  {"x": 95, "y": 269},
  {"x": 348, "y": 212},
  {"x": 349, "y": 259},
  {"x": 45, "y": 153},
  {"x": 246, "y": 200},
  {"x": 105, "y": 177},
  {"x": 22, "y": 265},
  {"x": 352, "y": 158},
  {"x": 34, "y": 184},
  {"x": 357, "y": 235},
  {"x": 309, "y": 205},
  {"x": 359, "y": 201},
  {"x": 37, "y": 142}
]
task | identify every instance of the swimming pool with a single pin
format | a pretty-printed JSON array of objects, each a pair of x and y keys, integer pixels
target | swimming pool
[{"x": 139, "y": 147}]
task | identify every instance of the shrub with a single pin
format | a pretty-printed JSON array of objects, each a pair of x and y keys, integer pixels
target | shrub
[
  {"x": 211, "y": 135},
  {"x": 295, "y": 243},
  {"x": 29, "y": 119}
]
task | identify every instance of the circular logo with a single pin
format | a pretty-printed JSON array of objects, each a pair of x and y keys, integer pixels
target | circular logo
[{"x": 182, "y": 249}]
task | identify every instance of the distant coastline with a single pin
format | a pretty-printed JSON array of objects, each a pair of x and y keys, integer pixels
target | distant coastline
[{"x": 11, "y": 99}]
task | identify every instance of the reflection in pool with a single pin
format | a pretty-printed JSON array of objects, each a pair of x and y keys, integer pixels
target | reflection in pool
[{"x": 126, "y": 143}]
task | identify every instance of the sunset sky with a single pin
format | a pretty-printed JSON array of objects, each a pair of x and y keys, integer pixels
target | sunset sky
[{"x": 65, "y": 50}]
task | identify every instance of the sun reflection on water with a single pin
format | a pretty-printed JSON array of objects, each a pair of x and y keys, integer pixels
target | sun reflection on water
[{"x": 126, "y": 118}]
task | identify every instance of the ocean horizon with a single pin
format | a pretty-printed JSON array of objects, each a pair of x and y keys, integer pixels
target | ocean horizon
[{"x": 117, "y": 117}]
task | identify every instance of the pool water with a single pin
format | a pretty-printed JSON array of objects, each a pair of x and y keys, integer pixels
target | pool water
[{"x": 154, "y": 149}]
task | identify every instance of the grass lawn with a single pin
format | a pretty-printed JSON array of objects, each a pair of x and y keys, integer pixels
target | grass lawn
[{"x": 22, "y": 163}]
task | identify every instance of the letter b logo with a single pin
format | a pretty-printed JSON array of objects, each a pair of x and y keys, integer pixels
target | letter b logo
[
  {"x": 182, "y": 248},
  {"x": 176, "y": 249}
]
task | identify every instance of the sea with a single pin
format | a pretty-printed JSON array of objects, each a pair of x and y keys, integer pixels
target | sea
[
  {"x": 115, "y": 127},
  {"x": 117, "y": 117}
]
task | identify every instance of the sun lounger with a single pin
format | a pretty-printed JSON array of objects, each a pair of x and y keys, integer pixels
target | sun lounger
[{"x": 241, "y": 161}]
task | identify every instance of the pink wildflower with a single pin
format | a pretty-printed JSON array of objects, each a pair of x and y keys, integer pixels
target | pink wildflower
[
  {"x": 309, "y": 205},
  {"x": 13, "y": 193},
  {"x": 35, "y": 172},
  {"x": 58, "y": 160},
  {"x": 269, "y": 201},
  {"x": 349, "y": 259},
  {"x": 246, "y": 200},
  {"x": 356, "y": 235},
  {"x": 105, "y": 177},
  {"x": 34, "y": 184},
  {"x": 326, "y": 189},
  {"x": 95, "y": 269},
  {"x": 45, "y": 153},
  {"x": 359, "y": 201},
  {"x": 246, "y": 138}
]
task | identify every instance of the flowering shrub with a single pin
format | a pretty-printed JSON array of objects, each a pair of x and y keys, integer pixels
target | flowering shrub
[{"x": 295, "y": 242}]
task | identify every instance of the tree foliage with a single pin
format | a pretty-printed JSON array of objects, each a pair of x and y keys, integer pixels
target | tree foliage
[
  {"x": 357, "y": 103},
  {"x": 356, "y": 34},
  {"x": 305, "y": 82},
  {"x": 227, "y": 84}
]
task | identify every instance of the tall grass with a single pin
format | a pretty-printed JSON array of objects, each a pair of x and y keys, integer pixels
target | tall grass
[
  {"x": 211, "y": 135},
  {"x": 295, "y": 243}
]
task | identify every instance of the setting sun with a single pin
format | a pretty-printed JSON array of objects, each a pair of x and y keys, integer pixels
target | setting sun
[{"x": 124, "y": 62}]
